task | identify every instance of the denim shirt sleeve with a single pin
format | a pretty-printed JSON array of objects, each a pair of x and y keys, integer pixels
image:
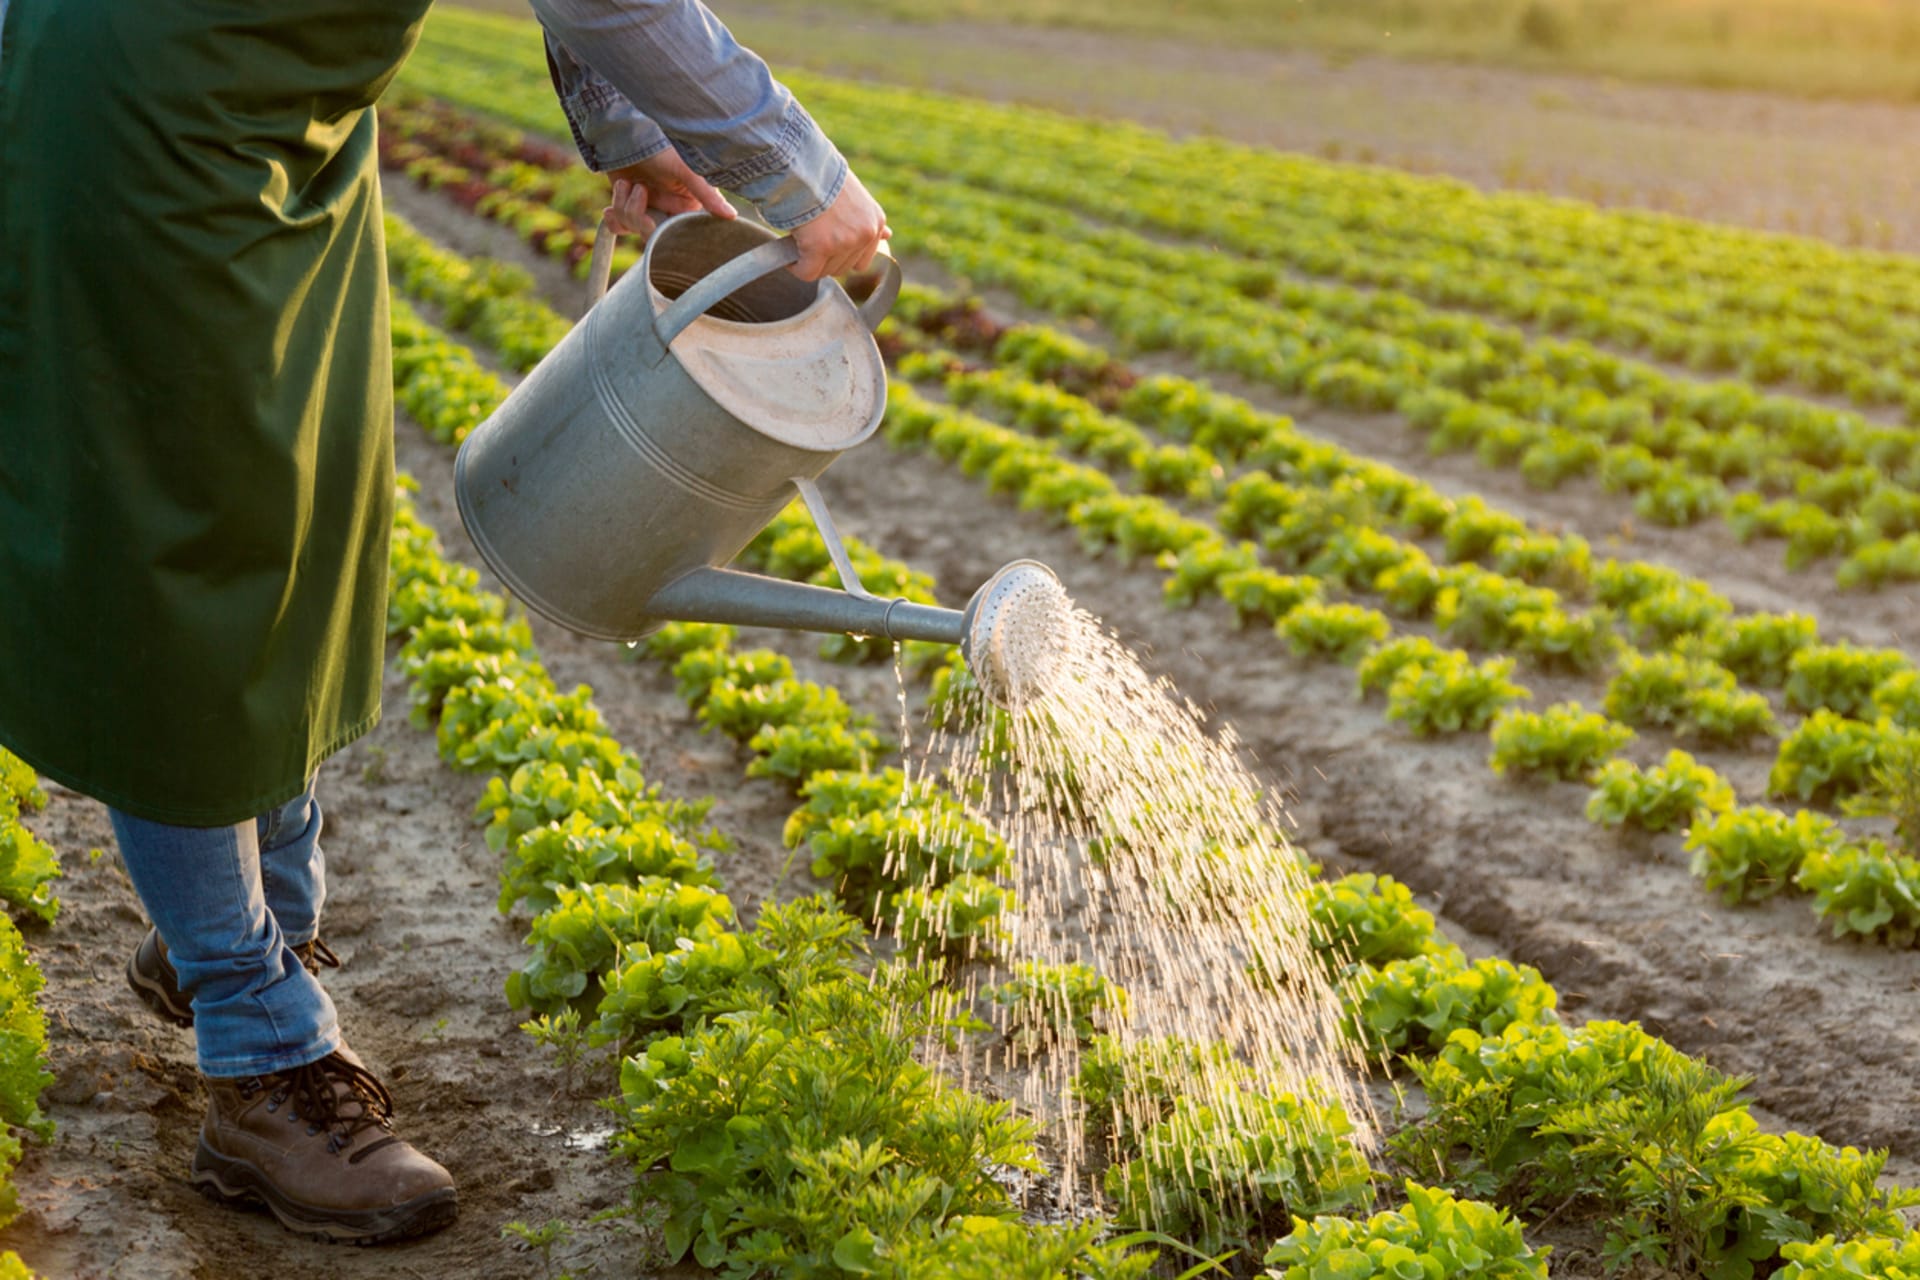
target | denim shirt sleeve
[
  {"x": 609, "y": 131},
  {"x": 672, "y": 64}
]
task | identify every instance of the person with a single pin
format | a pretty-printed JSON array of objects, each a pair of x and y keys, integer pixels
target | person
[{"x": 196, "y": 478}]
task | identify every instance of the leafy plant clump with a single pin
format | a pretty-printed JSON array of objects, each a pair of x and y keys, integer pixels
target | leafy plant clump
[
  {"x": 1452, "y": 694},
  {"x": 1433, "y": 1235},
  {"x": 1693, "y": 697},
  {"x": 1339, "y": 631},
  {"x": 1656, "y": 799},
  {"x": 1050, "y": 1003},
  {"x": 1565, "y": 742},
  {"x": 1655, "y": 1142},
  {"x": 1416, "y": 1004},
  {"x": 1213, "y": 1171},
  {"x": 1830, "y": 758},
  {"x": 1755, "y": 852},
  {"x": 1368, "y": 919},
  {"x": 1841, "y": 678},
  {"x": 1866, "y": 890},
  {"x": 800, "y": 1135},
  {"x": 1759, "y": 647}
]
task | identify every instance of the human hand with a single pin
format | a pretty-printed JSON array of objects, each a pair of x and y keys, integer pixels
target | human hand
[
  {"x": 664, "y": 182},
  {"x": 845, "y": 237}
]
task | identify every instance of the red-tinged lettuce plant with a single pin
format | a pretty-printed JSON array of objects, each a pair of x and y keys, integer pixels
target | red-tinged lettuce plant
[
  {"x": 1565, "y": 742},
  {"x": 1433, "y": 1234},
  {"x": 1667, "y": 795},
  {"x": 1754, "y": 852}
]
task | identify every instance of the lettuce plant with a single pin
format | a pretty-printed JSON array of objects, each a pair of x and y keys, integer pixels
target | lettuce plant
[
  {"x": 1565, "y": 742},
  {"x": 1667, "y": 795},
  {"x": 1754, "y": 852},
  {"x": 1432, "y": 1235}
]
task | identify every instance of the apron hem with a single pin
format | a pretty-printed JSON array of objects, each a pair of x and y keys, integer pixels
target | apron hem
[{"x": 205, "y": 817}]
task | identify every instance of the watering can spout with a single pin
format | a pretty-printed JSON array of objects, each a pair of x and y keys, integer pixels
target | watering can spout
[{"x": 1002, "y": 631}]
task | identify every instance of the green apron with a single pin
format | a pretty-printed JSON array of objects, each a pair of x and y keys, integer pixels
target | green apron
[{"x": 196, "y": 452}]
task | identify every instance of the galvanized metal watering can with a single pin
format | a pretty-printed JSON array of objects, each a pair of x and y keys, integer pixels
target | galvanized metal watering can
[{"x": 678, "y": 418}]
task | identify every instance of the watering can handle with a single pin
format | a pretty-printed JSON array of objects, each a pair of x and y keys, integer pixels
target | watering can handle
[{"x": 737, "y": 274}]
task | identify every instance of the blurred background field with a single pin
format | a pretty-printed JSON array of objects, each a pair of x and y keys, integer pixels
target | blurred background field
[
  {"x": 1610, "y": 101},
  {"x": 1844, "y": 48}
]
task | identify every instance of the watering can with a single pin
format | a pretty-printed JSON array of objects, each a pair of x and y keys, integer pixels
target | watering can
[{"x": 674, "y": 422}]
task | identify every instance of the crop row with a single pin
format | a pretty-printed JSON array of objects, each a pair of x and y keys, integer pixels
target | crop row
[
  {"x": 1416, "y": 1008},
  {"x": 1823, "y": 483},
  {"x": 27, "y": 868},
  {"x": 1868, "y": 889}
]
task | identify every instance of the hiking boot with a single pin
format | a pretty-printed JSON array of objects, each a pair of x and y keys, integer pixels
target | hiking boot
[
  {"x": 153, "y": 978},
  {"x": 316, "y": 1146}
]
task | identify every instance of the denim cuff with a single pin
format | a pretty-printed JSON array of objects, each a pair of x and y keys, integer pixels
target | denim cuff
[{"x": 793, "y": 181}]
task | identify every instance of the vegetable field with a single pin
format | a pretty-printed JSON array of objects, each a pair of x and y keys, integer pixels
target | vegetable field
[{"x": 1560, "y": 567}]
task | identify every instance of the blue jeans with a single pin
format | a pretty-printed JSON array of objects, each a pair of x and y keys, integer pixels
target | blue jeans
[{"x": 231, "y": 903}]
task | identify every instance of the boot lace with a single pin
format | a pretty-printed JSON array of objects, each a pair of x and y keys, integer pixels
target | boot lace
[
  {"x": 315, "y": 954},
  {"x": 343, "y": 1114}
]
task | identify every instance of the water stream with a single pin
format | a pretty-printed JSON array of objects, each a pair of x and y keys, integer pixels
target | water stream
[{"x": 1145, "y": 848}]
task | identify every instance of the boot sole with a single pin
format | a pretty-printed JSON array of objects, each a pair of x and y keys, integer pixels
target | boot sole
[
  {"x": 239, "y": 1184},
  {"x": 154, "y": 997}
]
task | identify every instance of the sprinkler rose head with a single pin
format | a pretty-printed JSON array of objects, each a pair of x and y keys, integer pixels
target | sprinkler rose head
[{"x": 1013, "y": 628}]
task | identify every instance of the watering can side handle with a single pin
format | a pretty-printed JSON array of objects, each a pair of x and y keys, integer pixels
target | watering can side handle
[
  {"x": 721, "y": 282},
  {"x": 884, "y": 294},
  {"x": 836, "y": 550},
  {"x": 600, "y": 267},
  {"x": 737, "y": 274}
]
